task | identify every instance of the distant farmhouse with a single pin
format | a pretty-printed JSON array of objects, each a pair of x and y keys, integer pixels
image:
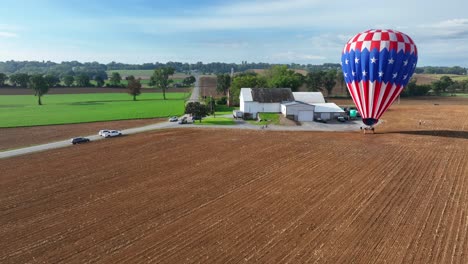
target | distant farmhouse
[{"x": 299, "y": 106}]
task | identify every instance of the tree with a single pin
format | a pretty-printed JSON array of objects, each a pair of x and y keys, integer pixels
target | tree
[
  {"x": 314, "y": 81},
  {"x": 196, "y": 109},
  {"x": 99, "y": 81},
  {"x": 130, "y": 77},
  {"x": 223, "y": 81},
  {"x": 329, "y": 81},
  {"x": 134, "y": 87},
  {"x": 280, "y": 76},
  {"x": 441, "y": 85},
  {"x": 19, "y": 79},
  {"x": 160, "y": 79},
  {"x": 245, "y": 81},
  {"x": 189, "y": 80},
  {"x": 68, "y": 80},
  {"x": 3, "y": 79},
  {"x": 39, "y": 85},
  {"x": 51, "y": 80},
  {"x": 82, "y": 80},
  {"x": 115, "y": 79},
  {"x": 340, "y": 79}
]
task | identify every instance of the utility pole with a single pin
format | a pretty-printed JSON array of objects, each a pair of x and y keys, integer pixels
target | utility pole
[{"x": 229, "y": 89}]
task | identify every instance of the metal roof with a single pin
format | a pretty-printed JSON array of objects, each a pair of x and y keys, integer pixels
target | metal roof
[
  {"x": 309, "y": 97},
  {"x": 328, "y": 108},
  {"x": 272, "y": 95}
]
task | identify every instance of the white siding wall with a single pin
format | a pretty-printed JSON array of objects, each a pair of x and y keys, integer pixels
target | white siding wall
[
  {"x": 270, "y": 108},
  {"x": 284, "y": 110}
]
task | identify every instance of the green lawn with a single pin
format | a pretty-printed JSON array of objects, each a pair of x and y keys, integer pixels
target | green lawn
[
  {"x": 210, "y": 120},
  {"x": 22, "y": 110},
  {"x": 225, "y": 110},
  {"x": 267, "y": 118}
]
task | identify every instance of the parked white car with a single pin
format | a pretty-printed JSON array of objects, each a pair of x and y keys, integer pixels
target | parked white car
[
  {"x": 111, "y": 133},
  {"x": 173, "y": 119},
  {"x": 103, "y": 131}
]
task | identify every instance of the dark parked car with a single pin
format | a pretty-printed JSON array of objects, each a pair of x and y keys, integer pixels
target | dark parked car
[
  {"x": 320, "y": 120},
  {"x": 79, "y": 140},
  {"x": 196, "y": 118}
]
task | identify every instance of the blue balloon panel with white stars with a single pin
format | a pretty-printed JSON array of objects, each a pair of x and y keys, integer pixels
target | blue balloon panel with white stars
[{"x": 377, "y": 65}]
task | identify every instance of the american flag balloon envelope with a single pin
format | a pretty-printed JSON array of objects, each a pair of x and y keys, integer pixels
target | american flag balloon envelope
[{"x": 377, "y": 65}]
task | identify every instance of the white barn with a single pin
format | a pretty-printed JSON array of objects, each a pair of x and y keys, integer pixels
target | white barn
[
  {"x": 308, "y": 106},
  {"x": 299, "y": 106},
  {"x": 298, "y": 111},
  {"x": 328, "y": 111},
  {"x": 263, "y": 100}
]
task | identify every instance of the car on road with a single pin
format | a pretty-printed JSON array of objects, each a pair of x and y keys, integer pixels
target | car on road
[
  {"x": 341, "y": 119},
  {"x": 112, "y": 133},
  {"x": 183, "y": 120},
  {"x": 79, "y": 140},
  {"x": 320, "y": 120},
  {"x": 173, "y": 119},
  {"x": 103, "y": 131}
]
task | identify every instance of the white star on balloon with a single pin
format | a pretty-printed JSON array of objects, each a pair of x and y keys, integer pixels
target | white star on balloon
[
  {"x": 395, "y": 75},
  {"x": 405, "y": 62},
  {"x": 373, "y": 60},
  {"x": 345, "y": 74},
  {"x": 364, "y": 73},
  {"x": 356, "y": 60},
  {"x": 346, "y": 61},
  {"x": 380, "y": 74},
  {"x": 405, "y": 76},
  {"x": 353, "y": 73},
  {"x": 391, "y": 60}
]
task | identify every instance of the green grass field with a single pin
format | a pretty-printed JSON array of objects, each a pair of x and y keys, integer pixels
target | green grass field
[
  {"x": 267, "y": 119},
  {"x": 452, "y": 76},
  {"x": 22, "y": 110},
  {"x": 210, "y": 120}
]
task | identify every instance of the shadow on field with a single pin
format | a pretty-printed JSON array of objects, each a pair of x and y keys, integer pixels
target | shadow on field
[
  {"x": 85, "y": 103},
  {"x": 112, "y": 101},
  {"x": 437, "y": 133}
]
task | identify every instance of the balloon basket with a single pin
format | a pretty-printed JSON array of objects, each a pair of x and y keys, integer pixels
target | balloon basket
[{"x": 368, "y": 129}]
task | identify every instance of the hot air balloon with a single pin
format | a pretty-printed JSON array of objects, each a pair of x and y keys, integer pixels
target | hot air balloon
[{"x": 377, "y": 65}]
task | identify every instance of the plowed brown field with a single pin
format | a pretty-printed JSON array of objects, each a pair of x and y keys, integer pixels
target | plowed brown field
[{"x": 231, "y": 196}]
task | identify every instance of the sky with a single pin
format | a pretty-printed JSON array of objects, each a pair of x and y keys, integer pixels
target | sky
[{"x": 274, "y": 31}]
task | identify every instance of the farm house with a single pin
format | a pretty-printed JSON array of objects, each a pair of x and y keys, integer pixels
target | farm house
[{"x": 263, "y": 100}]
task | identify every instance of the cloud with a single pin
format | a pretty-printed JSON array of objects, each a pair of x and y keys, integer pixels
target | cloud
[
  {"x": 294, "y": 56},
  {"x": 4, "y": 34},
  {"x": 264, "y": 7},
  {"x": 452, "y": 28}
]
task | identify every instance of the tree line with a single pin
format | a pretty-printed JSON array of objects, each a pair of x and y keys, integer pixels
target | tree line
[
  {"x": 323, "y": 80},
  {"x": 81, "y": 80},
  {"x": 279, "y": 76},
  {"x": 92, "y": 69},
  {"x": 41, "y": 83}
]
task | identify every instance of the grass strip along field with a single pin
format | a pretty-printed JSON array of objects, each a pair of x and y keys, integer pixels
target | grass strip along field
[{"x": 22, "y": 110}]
